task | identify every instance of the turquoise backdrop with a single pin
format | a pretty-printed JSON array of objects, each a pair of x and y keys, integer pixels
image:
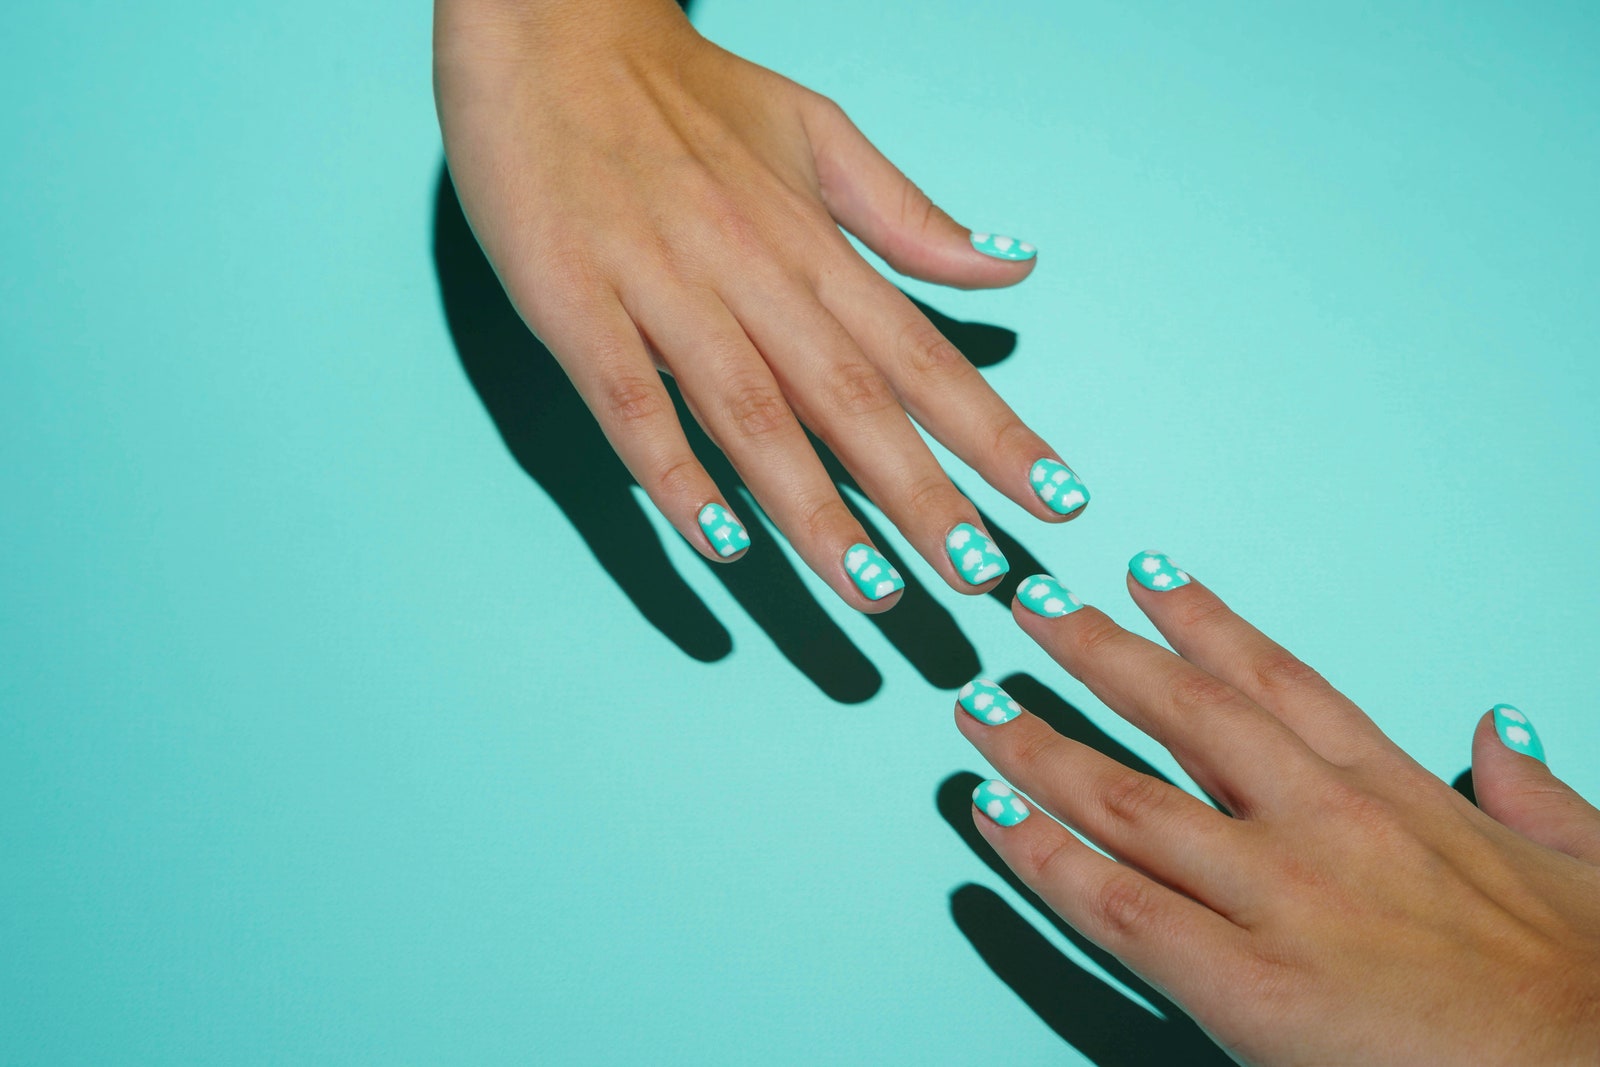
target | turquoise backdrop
[{"x": 308, "y": 753}]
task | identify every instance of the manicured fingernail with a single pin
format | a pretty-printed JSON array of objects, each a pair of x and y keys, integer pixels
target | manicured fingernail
[
  {"x": 871, "y": 572},
  {"x": 1155, "y": 570},
  {"x": 1059, "y": 488},
  {"x": 1043, "y": 595},
  {"x": 726, "y": 533},
  {"x": 1001, "y": 247},
  {"x": 1516, "y": 732},
  {"x": 1000, "y": 802},
  {"x": 973, "y": 555},
  {"x": 987, "y": 702}
]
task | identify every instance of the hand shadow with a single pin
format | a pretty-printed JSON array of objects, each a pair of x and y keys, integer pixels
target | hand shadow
[
  {"x": 552, "y": 436},
  {"x": 1093, "y": 1016}
]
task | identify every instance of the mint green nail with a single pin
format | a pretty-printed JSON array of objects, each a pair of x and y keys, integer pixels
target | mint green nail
[
  {"x": 1000, "y": 802},
  {"x": 1060, "y": 489},
  {"x": 1043, "y": 595},
  {"x": 1516, "y": 732},
  {"x": 973, "y": 555},
  {"x": 987, "y": 702},
  {"x": 1002, "y": 247},
  {"x": 726, "y": 534},
  {"x": 1155, "y": 570},
  {"x": 872, "y": 573}
]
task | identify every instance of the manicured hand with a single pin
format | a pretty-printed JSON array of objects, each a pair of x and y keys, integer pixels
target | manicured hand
[
  {"x": 653, "y": 203},
  {"x": 1348, "y": 907}
]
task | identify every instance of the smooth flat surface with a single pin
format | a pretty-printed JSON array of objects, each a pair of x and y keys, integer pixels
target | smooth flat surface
[{"x": 324, "y": 739}]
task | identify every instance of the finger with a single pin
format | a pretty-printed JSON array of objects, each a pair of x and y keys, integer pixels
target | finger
[
  {"x": 868, "y": 196},
  {"x": 1139, "y": 819},
  {"x": 1175, "y": 943},
  {"x": 1204, "y": 631},
  {"x": 611, "y": 369},
  {"x": 1237, "y": 752},
  {"x": 1514, "y": 786},
  {"x": 948, "y": 396},
  {"x": 732, "y": 393},
  {"x": 848, "y": 404}
]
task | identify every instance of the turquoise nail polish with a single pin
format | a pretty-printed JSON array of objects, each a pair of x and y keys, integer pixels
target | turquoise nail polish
[
  {"x": 987, "y": 702},
  {"x": 1516, "y": 732},
  {"x": 1059, "y": 488},
  {"x": 1043, "y": 595},
  {"x": 973, "y": 555},
  {"x": 871, "y": 572},
  {"x": 1155, "y": 570},
  {"x": 1000, "y": 802},
  {"x": 1002, "y": 247},
  {"x": 726, "y": 534}
]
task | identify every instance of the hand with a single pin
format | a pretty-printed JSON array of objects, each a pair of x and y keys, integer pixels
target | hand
[
  {"x": 697, "y": 205},
  {"x": 1352, "y": 908}
]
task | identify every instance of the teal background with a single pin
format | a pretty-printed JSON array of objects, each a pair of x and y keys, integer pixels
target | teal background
[{"x": 323, "y": 740}]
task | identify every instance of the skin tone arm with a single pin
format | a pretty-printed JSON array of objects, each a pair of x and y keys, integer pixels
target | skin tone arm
[
  {"x": 653, "y": 203},
  {"x": 1348, "y": 907}
]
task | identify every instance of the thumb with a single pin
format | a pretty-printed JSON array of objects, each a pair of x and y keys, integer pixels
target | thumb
[
  {"x": 1514, "y": 786},
  {"x": 867, "y": 195}
]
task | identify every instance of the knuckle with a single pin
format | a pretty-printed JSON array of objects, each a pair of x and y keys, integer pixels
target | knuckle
[
  {"x": 1195, "y": 693},
  {"x": 934, "y": 495},
  {"x": 679, "y": 478},
  {"x": 757, "y": 412},
  {"x": 1123, "y": 905},
  {"x": 857, "y": 389},
  {"x": 1012, "y": 437},
  {"x": 632, "y": 399},
  {"x": 1046, "y": 861},
  {"x": 1203, "y": 612},
  {"x": 1279, "y": 672},
  {"x": 1132, "y": 798},
  {"x": 1031, "y": 751},
  {"x": 926, "y": 351},
  {"x": 1095, "y": 635},
  {"x": 819, "y": 518}
]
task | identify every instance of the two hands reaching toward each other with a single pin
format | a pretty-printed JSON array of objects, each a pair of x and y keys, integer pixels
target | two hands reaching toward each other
[
  {"x": 1349, "y": 907},
  {"x": 653, "y": 203}
]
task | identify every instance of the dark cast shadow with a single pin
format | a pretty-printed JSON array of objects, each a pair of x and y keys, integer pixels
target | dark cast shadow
[
  {"x": 550, "y": 433},
  {"x": 1092, "y": 1015}
]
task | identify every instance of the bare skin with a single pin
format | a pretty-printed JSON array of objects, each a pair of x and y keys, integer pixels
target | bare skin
[
  {"x": 698, "y": 205},
  {"x": 1349, "y": 908}
]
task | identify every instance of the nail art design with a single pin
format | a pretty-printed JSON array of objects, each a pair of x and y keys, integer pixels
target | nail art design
[
  {"x": 973, "y": 555},
  {"x": 1059, "y": 488},
  {"x": 726, "y": 533},
  {"x": 1002, "y": 247},
  {"x": 1043, "y": 595},
  {"x": 1155, "y": 570},
  {"x": 1000, "y": 802},
  {"x": 871, "y": 572},
  {"x": 1516, "y": 732},
  {"x": 987, "y": 702}
]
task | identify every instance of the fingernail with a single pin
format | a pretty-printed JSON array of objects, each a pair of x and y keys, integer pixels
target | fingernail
[
  {"x": 1059, "y": 488},
  {"x": 1002, "y": 247},
  {"x": 1516, "y": 732},
  {"x": 1000, "y": 802},
  {"x": 973, "y": 555},
  {"x": 726, "y": 533},
  {"x": 871, "y": 572},
  {"x": 987, "y": 702},
  {"x": 1155, "y": 570},
  {"x": 1043, "y": 595}
]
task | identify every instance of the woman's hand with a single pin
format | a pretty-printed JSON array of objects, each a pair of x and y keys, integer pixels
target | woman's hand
[
  {"x": 652, "y": 202},
  {"x": 1352, "y": 909}
]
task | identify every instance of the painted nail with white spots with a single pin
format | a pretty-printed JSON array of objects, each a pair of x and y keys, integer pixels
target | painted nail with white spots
[
  {"x": 1155, "y": 570},
  {"x": 987, "y": 702},
  {"x": 1000, "y": 246},
  {"x": 726, "y": 534},
  {"x": 1062, "y": 491},
  {"x": 973, "y": 555},
  {"x": 873, "y": 575},
  {"x": 1000, "y": 802},
  {"x": 1516, "y": 732},
  {"x": 1043, "y": 595}
]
